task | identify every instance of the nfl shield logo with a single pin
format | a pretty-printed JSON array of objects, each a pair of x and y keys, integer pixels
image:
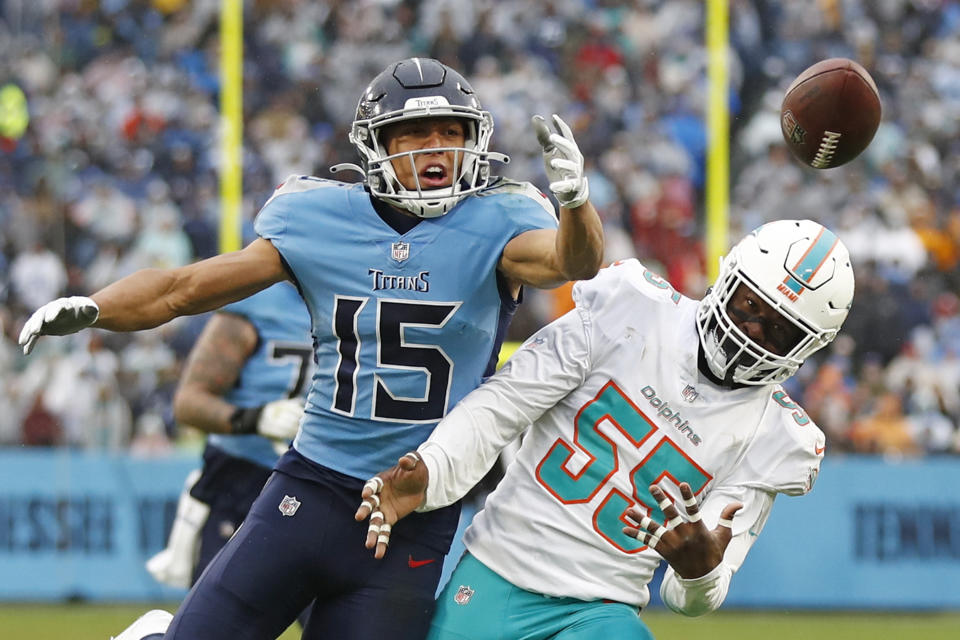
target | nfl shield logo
[
  {"x": 400, "y": 251},
  {"x": 690, "y": 393},
  {"x": 289, "y": 505},
  {"x": 464, "y": 594}
]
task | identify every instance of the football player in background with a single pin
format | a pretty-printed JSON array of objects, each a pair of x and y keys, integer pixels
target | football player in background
[
  {"x": 244, "y": 383},
  {"x": 660, "y": 431},
  {"x": 410, "y": 278}
]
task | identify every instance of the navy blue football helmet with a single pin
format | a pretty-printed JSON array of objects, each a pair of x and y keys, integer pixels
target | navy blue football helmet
[{"x": 422, "y": 88}]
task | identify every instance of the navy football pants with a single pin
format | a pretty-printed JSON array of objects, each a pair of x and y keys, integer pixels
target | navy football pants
[
  {"x": 277, "y": 564},
  {"x": 229, "y": 486}
]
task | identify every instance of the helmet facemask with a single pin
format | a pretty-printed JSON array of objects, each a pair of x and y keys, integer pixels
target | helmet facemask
[
  {"x": 471, "y": 162},
  {"x": 732, "y": 355}
]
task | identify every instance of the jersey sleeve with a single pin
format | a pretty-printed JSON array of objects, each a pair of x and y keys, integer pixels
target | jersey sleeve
[
  {"x": 623, "y": 276},
  {"x": 621, "y": 294},
  {"x": 784, "y": 455},
  {"x": 466, "y": 443},
  {"x": 525, "y": 205},
  {"x": 271, "y": 222}
]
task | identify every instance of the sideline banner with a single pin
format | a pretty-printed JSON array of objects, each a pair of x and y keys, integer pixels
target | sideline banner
[
  {"x": 80, "y": 526},
  {"x": 871, "y": 534}
]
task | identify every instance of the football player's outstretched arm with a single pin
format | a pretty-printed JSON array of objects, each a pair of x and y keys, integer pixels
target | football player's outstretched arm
[
  {"x": 151, "y": 297},
  {"x": 212, "y": 369},
  {"x": 546, "y": 258}
]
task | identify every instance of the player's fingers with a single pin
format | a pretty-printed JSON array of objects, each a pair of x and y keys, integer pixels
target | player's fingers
[
  {"x": 564, "y": 186},
  {"x": 562, "y": 127},
  {"x": 649, "y": 524},
  {"x": 567, "y": 148},
  {"x": 664, "y": 502},
  {"x": 726, "y": 516},
  {"x": 28, "y": 347},
  {"x": 645, "y": 537},
  {"x": 28, "y": 335},
  {"x": 373, "y": 530},
  {"x": 566, "y": 167},
  {"x": 409, "y": 461},
  {"x": 371, "y": 503},
  {"x": 690, "y": 503},
  {"x": 542, "y": 131},
  {"x": 373, "y": 486},
  {"x": 383, "y": 541}
]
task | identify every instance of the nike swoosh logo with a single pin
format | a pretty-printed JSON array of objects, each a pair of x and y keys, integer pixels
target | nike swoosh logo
[
  {"x": 413, "y": 564},
  {"x": 819, "y": 450}
]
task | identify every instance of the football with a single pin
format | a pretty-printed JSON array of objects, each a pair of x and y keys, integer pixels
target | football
[{"x": 830, "y": 113}]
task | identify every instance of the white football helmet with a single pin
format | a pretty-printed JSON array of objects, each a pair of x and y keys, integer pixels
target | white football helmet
[
  {"x": 798, "y": 267},
  {"x": 422, "y": 88}
]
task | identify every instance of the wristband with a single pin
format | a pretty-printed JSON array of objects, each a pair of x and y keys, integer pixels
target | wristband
[{"x": 243, "y": 420}]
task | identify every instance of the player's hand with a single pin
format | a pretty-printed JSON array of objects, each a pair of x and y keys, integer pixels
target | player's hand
[
  {"x": 686, "y": 544},
  {"x": 58, "y": 318},
  {"x": 280, "y": 419},
  {"x": 563, "y": 162},
  {"x": 389, "y": 496}
]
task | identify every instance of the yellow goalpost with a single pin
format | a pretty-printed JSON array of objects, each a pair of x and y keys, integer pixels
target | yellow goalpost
[
  {"x": 231, "y": 124},
  {"x": 718, "y": 136}
]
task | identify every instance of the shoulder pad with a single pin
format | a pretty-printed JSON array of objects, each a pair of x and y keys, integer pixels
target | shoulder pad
[
  {"x": 299, "y": 184},
  {"x": 502, "y": 185},
  {"x": 627, "y": 274},
  {"x": 786, "y": 451}
]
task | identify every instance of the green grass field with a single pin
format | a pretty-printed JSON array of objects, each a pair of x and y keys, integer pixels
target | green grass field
[{"x": 99, "y": 622}]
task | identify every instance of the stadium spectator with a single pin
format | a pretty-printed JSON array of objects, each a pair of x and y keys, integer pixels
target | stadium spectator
[{"x": 885, "y": 430}]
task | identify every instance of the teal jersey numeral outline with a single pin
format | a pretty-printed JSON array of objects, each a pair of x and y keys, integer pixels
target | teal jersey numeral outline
[{"x": 665, "y": 460}]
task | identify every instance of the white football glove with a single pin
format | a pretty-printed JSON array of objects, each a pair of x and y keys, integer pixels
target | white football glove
[
  {"x": 563, "y": 162},
  {"x": 280, "y": 419},
  {"x": 58, "y": 318}
]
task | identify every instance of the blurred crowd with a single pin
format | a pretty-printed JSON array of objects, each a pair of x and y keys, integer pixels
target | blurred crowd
[{"x": 109, "y": 134}]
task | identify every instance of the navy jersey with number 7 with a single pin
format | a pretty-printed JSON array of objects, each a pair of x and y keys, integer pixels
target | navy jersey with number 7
[{"x": 280, "y": 367}]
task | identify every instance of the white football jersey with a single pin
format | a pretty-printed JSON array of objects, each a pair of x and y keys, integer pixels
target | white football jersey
[{"x": 615, "y": 402}]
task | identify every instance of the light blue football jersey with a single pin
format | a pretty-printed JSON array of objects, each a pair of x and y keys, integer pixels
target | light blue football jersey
[
  {"x": 280, "y": 367},
  {"x": 404, "y": 325}
]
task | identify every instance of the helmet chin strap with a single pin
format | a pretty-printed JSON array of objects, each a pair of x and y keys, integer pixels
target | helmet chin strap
[
  {"x": 704, "y": 366},
  {"x": 728, "y": 348}
]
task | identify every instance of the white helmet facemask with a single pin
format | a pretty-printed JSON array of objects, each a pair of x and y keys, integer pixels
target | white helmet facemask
[
  {"x": 471, "y": 162},
  {"x": 799, "y": 268}
]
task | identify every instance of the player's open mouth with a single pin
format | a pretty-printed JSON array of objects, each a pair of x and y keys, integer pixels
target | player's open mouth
[{"x": 433, "y": 176}]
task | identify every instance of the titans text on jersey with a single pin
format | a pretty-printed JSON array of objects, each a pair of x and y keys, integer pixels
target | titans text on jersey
[{"x": 381, "y": 280}]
